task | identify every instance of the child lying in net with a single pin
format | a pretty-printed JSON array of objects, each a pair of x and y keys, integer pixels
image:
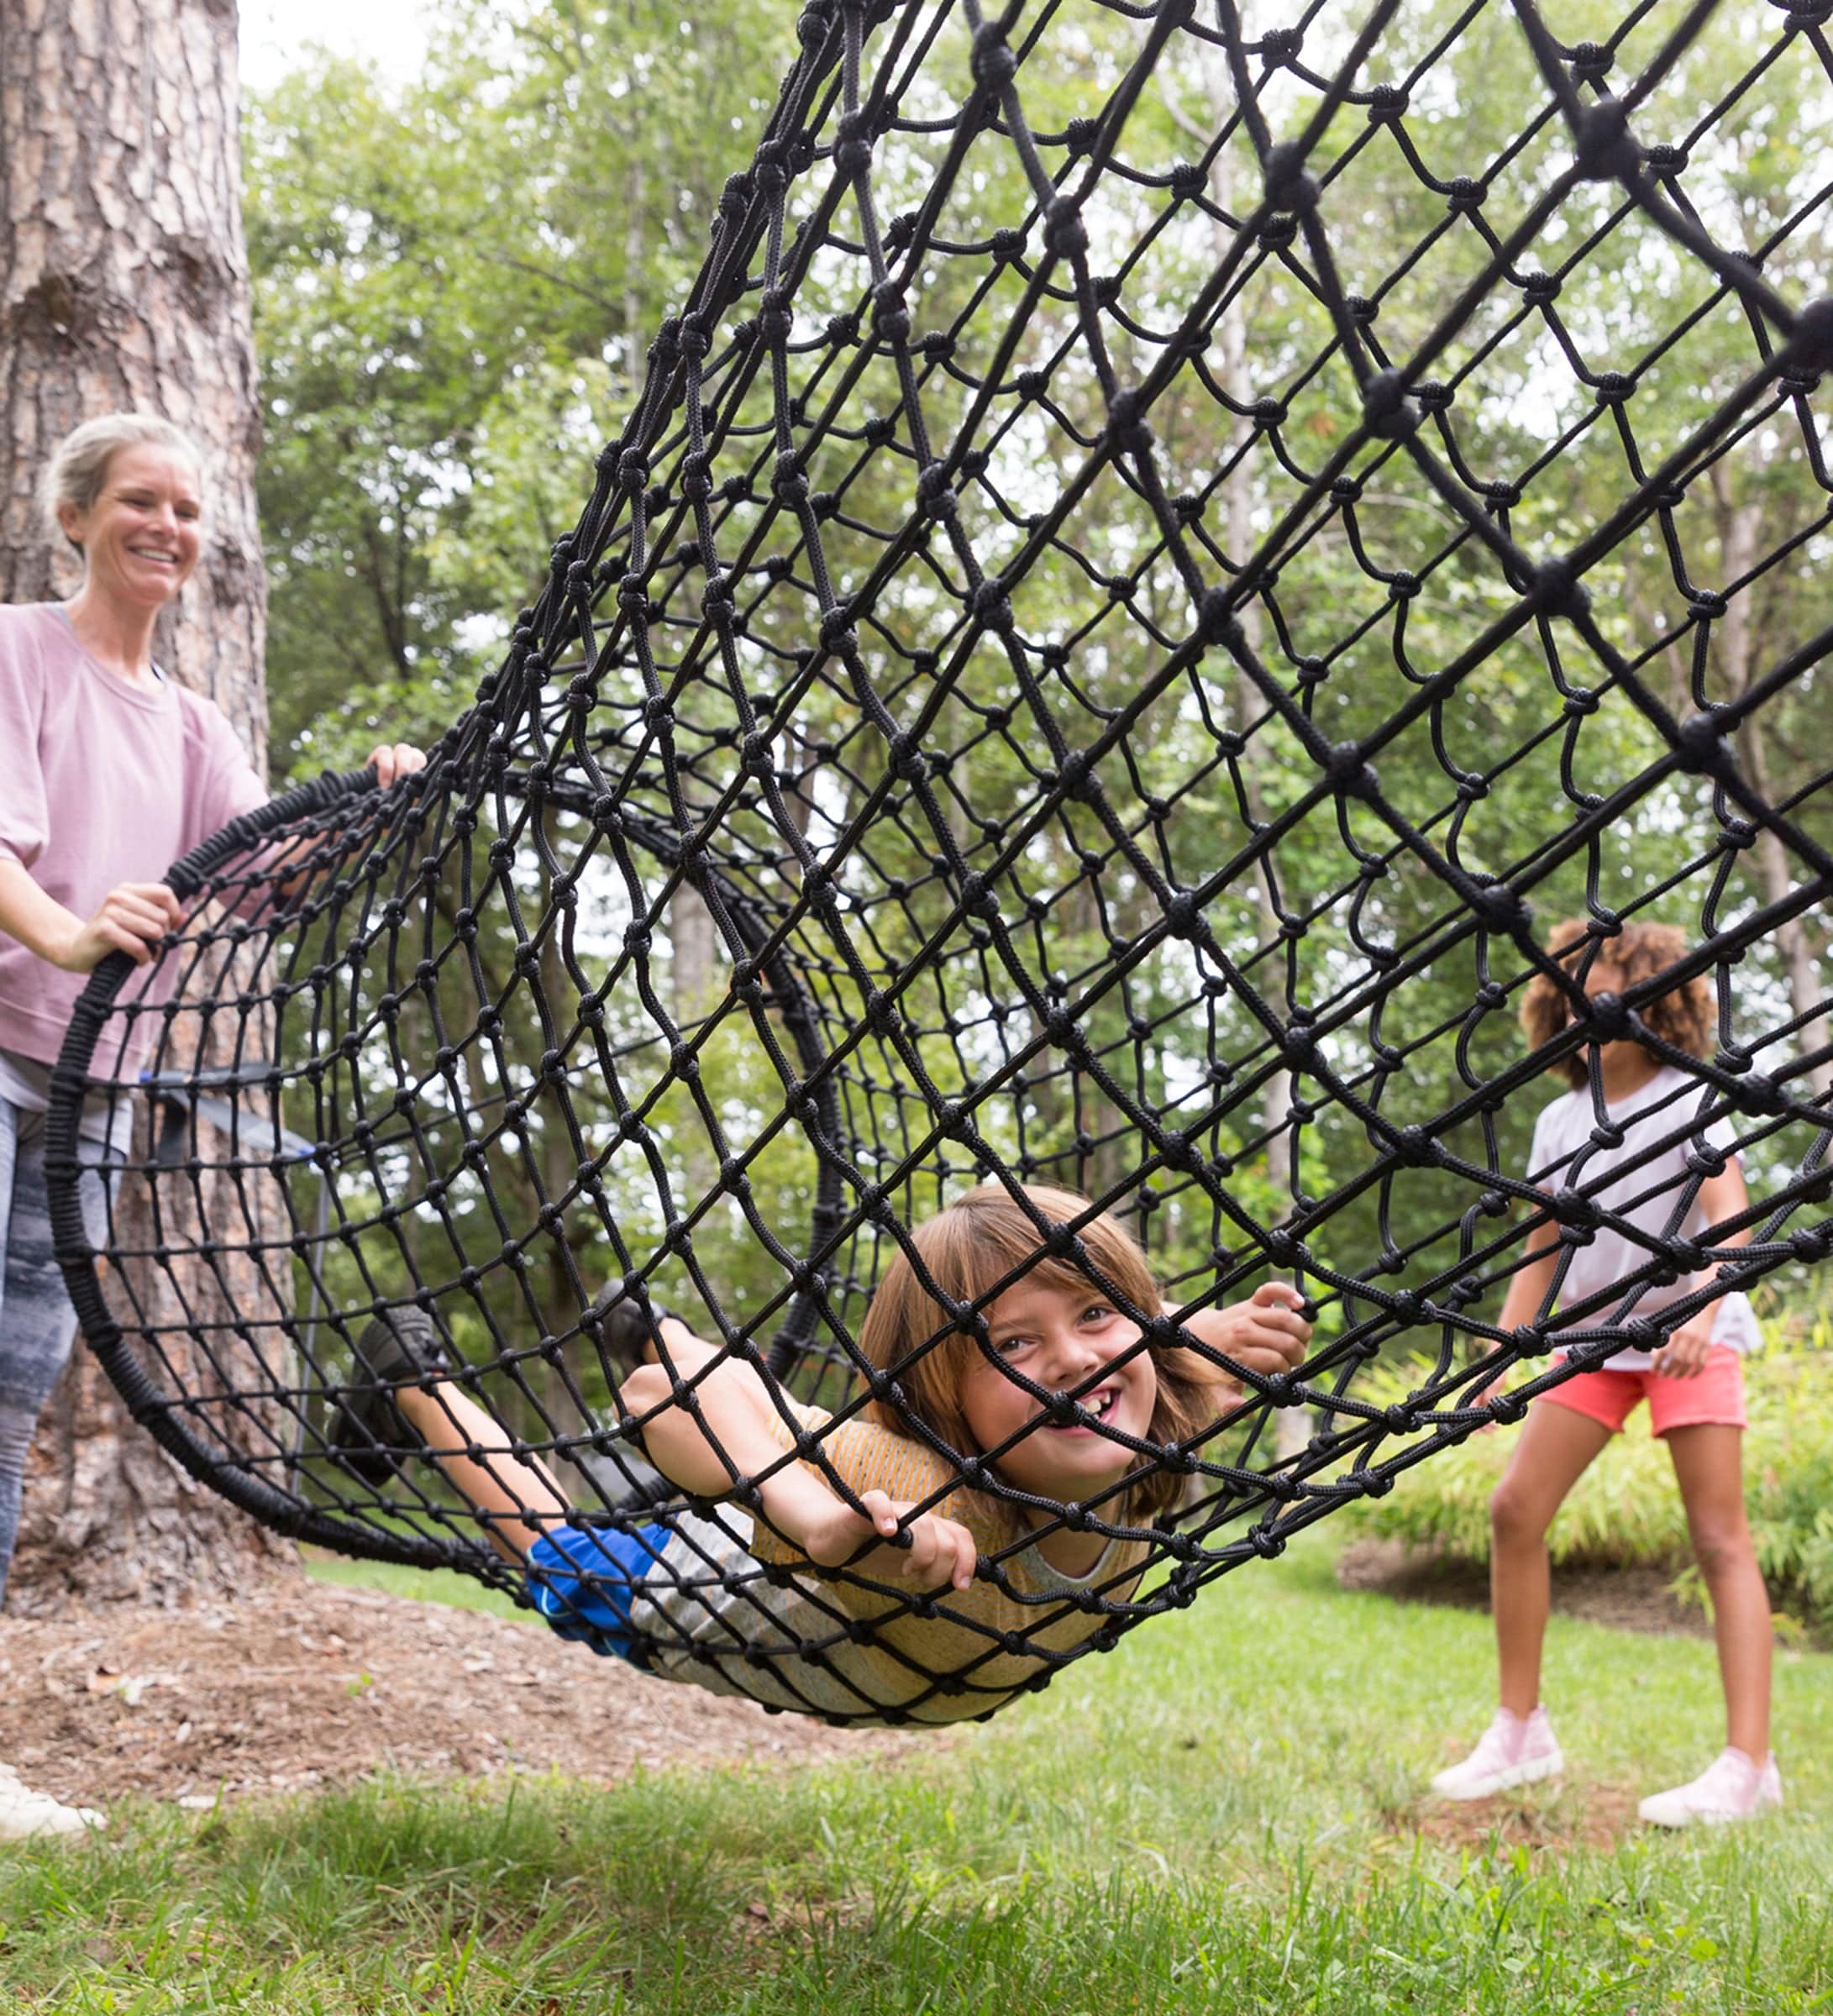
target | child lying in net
[{"x": 903, "y": 1633}]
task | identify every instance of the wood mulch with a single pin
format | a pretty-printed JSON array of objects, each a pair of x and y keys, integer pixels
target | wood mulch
[
  {"x": 1627, "y": 1599},
  {"x": 1551, "y": 1818},
  {"x": 306, "y": 1684}
]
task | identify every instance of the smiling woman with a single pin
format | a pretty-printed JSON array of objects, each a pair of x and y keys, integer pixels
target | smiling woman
[{"x": 109, "y": 772}]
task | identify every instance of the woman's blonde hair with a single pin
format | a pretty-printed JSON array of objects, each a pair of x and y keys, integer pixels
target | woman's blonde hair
[
  {"x": 968, "y": 1247},
  {"x": 79, "y": 467},
  {"x": 1683, "y": 1016}
]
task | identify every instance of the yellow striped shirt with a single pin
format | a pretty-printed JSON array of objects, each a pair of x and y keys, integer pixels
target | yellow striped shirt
[{"x": 962, "y": 1659}]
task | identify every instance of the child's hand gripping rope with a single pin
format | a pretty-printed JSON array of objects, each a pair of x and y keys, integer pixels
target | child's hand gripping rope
[
  {"x": 1268, "y": 1334},
  {"x": 941, "y": 1553}
]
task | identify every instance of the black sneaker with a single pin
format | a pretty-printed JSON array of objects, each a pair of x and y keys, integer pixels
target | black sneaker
[
  {"x": 625, "y": 1323},
  {"x": 368, "y": 1434}
]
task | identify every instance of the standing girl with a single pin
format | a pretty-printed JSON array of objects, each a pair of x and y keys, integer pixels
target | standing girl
[
  {"x": 109, "y": 772},
  {"x": 1694, "y": 1383}
]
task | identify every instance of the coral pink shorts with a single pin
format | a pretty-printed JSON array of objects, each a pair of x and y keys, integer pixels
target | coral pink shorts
[{"x": 1712, "y": 1398}]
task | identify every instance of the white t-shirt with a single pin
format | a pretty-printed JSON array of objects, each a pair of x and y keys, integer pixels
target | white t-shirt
[{"x": 1666, "y": 1105}]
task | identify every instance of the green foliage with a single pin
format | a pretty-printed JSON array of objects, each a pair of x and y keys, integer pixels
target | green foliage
[
  {"x": 455, "y": 281},
  {"x": 1224, "y": 1819},
  {"x": 1625, "y": 1511}
]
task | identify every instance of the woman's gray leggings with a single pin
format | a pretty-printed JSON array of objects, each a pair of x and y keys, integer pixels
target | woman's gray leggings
[{"x": 37, "y": 1323}]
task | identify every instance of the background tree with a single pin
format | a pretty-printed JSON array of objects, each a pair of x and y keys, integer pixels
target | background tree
[
  {"x": 454, "y": 282},
  {"x": 124, "y": 283}
]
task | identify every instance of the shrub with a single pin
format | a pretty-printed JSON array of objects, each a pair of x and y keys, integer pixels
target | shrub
[{"x": 1625, "y": 1511}]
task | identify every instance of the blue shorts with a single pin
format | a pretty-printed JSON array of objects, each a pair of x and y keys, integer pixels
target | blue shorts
[{"x": 584, "y": 1580}]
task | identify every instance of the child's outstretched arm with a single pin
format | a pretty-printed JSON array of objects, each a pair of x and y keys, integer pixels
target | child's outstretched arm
[
  {"x": 1527, "y": 1290},
  {"x": 724, "y": 1427}
]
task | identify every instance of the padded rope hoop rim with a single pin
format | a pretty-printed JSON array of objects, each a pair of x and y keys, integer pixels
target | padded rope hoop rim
[{"x": 149, "y": 1404}]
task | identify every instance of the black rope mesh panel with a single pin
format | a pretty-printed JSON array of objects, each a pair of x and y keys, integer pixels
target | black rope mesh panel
[{"x": 1168, "y": 547}]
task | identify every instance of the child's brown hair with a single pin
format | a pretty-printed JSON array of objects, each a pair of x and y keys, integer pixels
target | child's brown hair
[
  {"x": 968, "y": 1247},
  {"x": 1683, "y": 1016}
]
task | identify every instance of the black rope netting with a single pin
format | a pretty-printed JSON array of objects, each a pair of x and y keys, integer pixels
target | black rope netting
[{"x": 1163, "y": 552}]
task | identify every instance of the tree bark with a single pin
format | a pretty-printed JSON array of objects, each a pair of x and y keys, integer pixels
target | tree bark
[
  {"x": 123, "y": 285},
  {"x": 1291, "y": 1429},
  {"x": 1740, "y": 539}
]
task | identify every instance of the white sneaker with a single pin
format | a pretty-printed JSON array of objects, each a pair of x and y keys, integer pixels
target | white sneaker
[
  {"x": 1512, "y": 1752},
  {"x": 1733, "y": 1787},
  {"x": 25, "y": 1814}
]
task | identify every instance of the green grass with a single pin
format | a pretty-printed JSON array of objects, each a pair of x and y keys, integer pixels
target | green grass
[
  {"x": 419, "y": 1585},
  {"x": 1220, "y": 1817}
]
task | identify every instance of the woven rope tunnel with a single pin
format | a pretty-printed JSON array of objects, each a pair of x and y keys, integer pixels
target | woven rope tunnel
[{"x": 1166, "y": 547}]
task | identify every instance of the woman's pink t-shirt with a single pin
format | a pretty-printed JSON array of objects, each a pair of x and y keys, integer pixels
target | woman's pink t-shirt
[{"x": 101, "y": 783}]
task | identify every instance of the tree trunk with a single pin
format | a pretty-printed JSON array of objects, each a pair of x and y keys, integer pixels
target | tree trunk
[
  {"x": 1291, "y": 1430},
  {"x": 124, "y": 284},
  {"x": 1740, "y": 539}
]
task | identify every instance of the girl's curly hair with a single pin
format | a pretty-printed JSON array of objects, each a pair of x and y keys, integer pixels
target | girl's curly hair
[{"x": 1683, "y": 1016}]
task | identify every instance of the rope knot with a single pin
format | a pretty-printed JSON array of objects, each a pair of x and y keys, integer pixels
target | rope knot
[
  {"x": 1607, "y": 1018},
  {"x": 990, "y": 605},
  {"x": 1386, "y": 413},
  {"x": 1760, "y": 1094},
  {"x": 1607, "y": 150},
  {"x": 1126, "y": 422},
  {"x": 1386, "y": 103},
  {"x": 1578, "y": 1216},
  {"x": 1290, "y": 188},
  {"x": 1500, "y": 908},
  {"x": 1554, "y": 589},
  {"x": 1702, "y": 747},
  {"x": 1418, "y": 1149},
  {"x": 1065, "y": 233},
  {"x": 775, "y": 316},
  {"x": 994, "y": 63},
  {"x": 1217, "y": 622},
  {"x": 890, "y": 316},
  {"x": 1810, "y": 350}
]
